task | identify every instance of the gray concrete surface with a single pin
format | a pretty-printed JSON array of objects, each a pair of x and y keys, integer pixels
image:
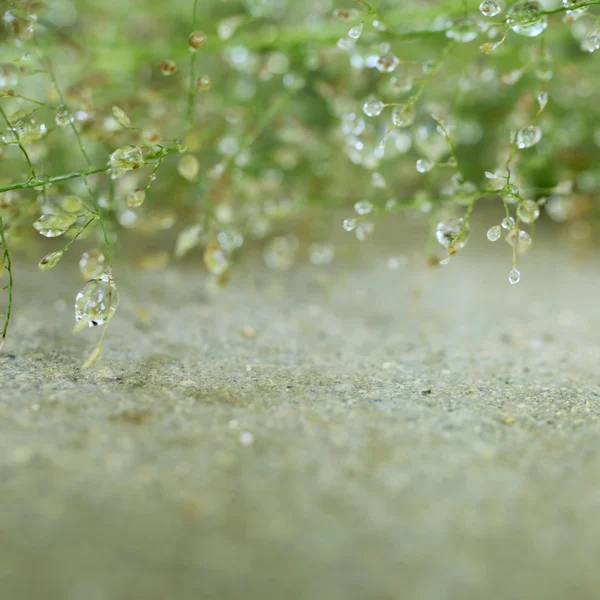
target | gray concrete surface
[{"x": 441, "y": 445}]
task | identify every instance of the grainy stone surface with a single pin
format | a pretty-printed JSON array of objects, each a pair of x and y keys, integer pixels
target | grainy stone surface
[{"x": 443, "y": 444}]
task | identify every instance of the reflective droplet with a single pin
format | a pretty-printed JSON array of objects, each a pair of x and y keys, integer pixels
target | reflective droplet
[
  {"x": 424, "y": 165},
  {"x": 54, "y": 225},
  {"x": 514, "y": 276},
  {"x": 452, "y": 233},
  {"x": 121, "y": 117},
  {"x": 542, "y": 99},
  {"x": 356, "y": 31},
  {"x": 489, "y": 8},
  {"x": 197, "y": 40},
  {"x": 508, "y": 223},
  {"x": 50, "y": 260},
  {"x": 404, "y": 116},
  {"x": 136, "y": 198},
  {"x": 126, "y": 158},
  {"x": 97, "y": 302},
  {"x": 387, "y": 63},
  {"x": 528, "y": 137},
  {"x": 373, "y": 108},
  {"x": 63, "y": 117},
  {"x": 349, "y": 224},
  {"x": 364, "y": 207},
  {"x": 528, "y": 211},
  {"x": 519, "y": 238},
  {"x": 494, "y": 233},
  {"x": 524, "y": 18}
]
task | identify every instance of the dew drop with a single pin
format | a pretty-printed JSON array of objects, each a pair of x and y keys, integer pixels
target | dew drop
[
  {"x": 349, "y": 224},
  {"x": 356, "y": 31},
  {"x": 197, "y": 40},
  {"x": 494, "y": 233},
  {"x": 126, "y": 158},
  {"x": 489, "y": 8},
  {"x": 136, "y": 198},
  {"x": 387, "y": 63},
  {"x": 404, "y": 116},
  {"x": 528, "y": 137},
  {"x": 508, "y": 223},
  {"x": 528, "y": 211},
  {"x": 514, "y": 276},
  {"x": 373, "y": 108},
  {"x": 364, "y": 207},
  {"x": 54, "y": 225},
  {"x": 451, "y": 233},
  {"x": 424, "y": 165},
  {"x": 50, "y": 260},
  {"x": 97, "y": 302},
  {"x": 524, "y": 18}
]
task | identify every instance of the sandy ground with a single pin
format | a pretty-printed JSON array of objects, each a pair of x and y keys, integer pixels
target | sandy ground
[{"x": 364, "y": 444}]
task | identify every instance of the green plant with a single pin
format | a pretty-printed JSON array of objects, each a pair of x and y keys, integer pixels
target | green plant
[{"x": 439, "y": 106}]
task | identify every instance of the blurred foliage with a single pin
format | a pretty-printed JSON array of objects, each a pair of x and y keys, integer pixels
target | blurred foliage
[{"x": 231, "y": 121}]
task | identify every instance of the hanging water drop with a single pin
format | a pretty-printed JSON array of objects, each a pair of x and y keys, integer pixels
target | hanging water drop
[
  {"x": 91, "y": 264},
  {"x": 349, "y": 224},
  {"x": 424, "y": 165},
  {"x": 508, "y": 223},
  {"x": 356, "y": 31},
  {"x": 494, "y": 233},
  {"x": 525, "y": 19},
  {"x": 126, "y": 158},
  {"x": 404, "y": 116},
  {"x": 97, "y": 302},
  {"x": 373, "y": 108},
  {"x": 514, "y": 276},
  {"x": 489, "y": 8},
  {"x": 528, "y": 211},
  {"x": 528, "y": 137},
  {"x": 364, "y": 207},
  {"x": 54, "y": 225}
]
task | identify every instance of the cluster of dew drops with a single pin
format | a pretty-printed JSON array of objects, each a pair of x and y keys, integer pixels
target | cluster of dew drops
[{"x": 524, "y": 18}]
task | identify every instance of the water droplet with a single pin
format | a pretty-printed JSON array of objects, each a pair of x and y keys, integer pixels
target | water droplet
[
  {"x": 126, "y": 158},
  {"x": 364, "y": 230},
  {"x": 573, "y": 13},
  {"x": 494, "y": 233},
  {"x": 50, "y": 260},
  {"x": 215, "y": 258},
  {"x": 514, "y": 276},
  {"x": 188, "y": 167},
  {"x": 356, "y": 31},
  {"x": 203, "y": 83},
  {"x": 424, "y": 165},
  {"x": 63, "y": 117},
  {"x": 528, "y": 211},
  {"x": 121, "y": 117},
  {"x": 136, "y": 198},
  {"x": 349, "y": 224},
  {"x": 404, "y": 116},
  {"x": 364, "y": 207},
  {"x": 373, "y": 108},
  {"x": 519, "y": 238},
  {"x": 489, "y": 8},
  {"x": 528, "y": 137},
  {"x": 387, "y": 63},
  {"x": 508, "y": 223},
  {"x": 542, "y": 99},
  {"x": 91, "y": 264},
  {"x": 197, "y": 40},
  {"x": 452, "y": 233},
  {"x": 524, "y": 18},
  {"x": 97, "y": 302},
  {"x": 54, "y": 225}
]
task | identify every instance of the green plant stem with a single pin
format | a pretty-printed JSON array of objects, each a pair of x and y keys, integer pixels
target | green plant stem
[
  {"x": 83, "y": 152},
  {"x": 8, "y": 265},
  {"x": 192, "y": 90},
  {"x": 21, "y": 147},
  {"x": 33, "y": 183}
]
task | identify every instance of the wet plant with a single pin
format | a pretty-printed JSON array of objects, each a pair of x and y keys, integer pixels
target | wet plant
[{"x": 255, "y": 121}]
